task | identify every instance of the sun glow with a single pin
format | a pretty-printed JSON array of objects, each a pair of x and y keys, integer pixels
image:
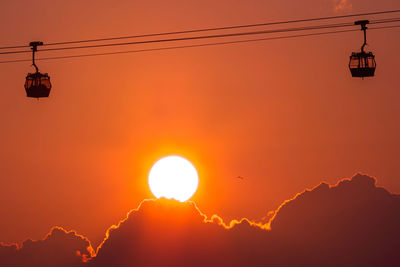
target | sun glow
[{"x": 173, "y": 177}]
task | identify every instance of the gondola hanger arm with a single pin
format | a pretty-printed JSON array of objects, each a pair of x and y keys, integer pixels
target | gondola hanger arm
[{"x": 34, "y": 46}]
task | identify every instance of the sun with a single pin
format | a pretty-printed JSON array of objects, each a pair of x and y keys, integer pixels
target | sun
[{"x": 173, "y": 177}]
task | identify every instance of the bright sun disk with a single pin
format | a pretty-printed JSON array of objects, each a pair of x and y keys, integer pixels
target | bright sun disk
[{"x": 173, "y": 177}]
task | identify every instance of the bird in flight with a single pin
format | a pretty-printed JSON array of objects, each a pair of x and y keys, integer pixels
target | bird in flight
[{"x": 240, "y": 177}]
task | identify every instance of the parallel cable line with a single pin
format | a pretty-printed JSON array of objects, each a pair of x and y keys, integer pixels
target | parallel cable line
[
  {"x": 212, "y": 29},
  {"x": 198, "y": 45},
  {"x": 326, "y": 26},
  {"x": 318, "y": 27}
]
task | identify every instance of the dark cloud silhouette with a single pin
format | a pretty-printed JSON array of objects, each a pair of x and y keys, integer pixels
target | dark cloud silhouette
[
  {"x": 163, "y": 232},
  {"x": 8, "y": 254},
  {"x": 58, "y": 248},
  {"x": 353, "y": 223}
]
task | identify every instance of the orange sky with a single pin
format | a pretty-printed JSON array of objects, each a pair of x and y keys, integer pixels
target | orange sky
[{"x": 284, "y": 114}]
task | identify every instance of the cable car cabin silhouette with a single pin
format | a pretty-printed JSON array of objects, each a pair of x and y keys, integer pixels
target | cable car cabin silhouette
[
  {"x": 37, "y": 84},
  {"x": 362, "y": 64}
]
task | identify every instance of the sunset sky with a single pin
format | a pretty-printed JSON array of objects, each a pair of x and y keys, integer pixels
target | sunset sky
[{"x": 284, "y": 114}]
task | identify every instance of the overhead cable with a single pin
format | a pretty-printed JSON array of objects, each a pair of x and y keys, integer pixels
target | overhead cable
[
  {"x": 197, "y": 45},
  {"x": 211, "y": 29}
]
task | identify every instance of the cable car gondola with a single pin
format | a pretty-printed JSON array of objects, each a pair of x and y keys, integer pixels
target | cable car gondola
[
  {"x": 37, "y": 84},
  {"x": 362, "y": 64}
]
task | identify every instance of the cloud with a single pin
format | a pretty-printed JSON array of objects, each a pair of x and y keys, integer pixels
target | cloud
[
  {"x": 353, "y": 223},
  {"x": 342, "y": 5},
  {"x": 349, "y": 224},
  {"x": 58, "y": 248},
  {"x": 8, "y": 254},
  {"x": 164, "y": 232}
]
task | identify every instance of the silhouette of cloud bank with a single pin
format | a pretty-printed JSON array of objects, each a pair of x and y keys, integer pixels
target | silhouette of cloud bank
[
  {"x": 58, "y": 248},
  {"x": 353, "y": 223}
]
